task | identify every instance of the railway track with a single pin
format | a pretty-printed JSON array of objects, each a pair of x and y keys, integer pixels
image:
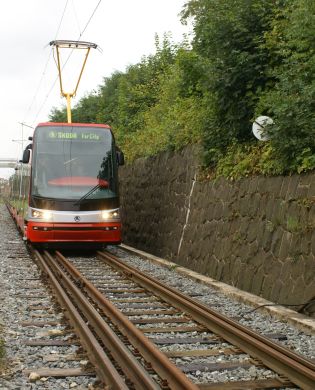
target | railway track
[
  {"x": 139, "y": 333},
  {"x": 38, "y": 336}
]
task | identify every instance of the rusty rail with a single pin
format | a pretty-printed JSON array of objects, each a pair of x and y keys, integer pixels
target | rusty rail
[
  {"x": 172, "y": 377},
  {"x": 105, "y": 369},
  {"x": 298, "y": 369}
]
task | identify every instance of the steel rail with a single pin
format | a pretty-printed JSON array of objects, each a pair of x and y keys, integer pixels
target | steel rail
[
  {"x": 298, "y": 369},
  {"x": 170, "y": 374},
  {"x": 122, "y": 355},
  {"x": 104, "y": 368}
]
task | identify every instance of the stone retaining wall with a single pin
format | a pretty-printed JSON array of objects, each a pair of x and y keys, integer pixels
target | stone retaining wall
[{"x": 256, "y": 233}]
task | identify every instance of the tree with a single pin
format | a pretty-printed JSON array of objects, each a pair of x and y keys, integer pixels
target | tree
[
  {"x": 228, "y": 37},
  {"x": 291, "y": 101},
  {"x": 58, "y": 114}
]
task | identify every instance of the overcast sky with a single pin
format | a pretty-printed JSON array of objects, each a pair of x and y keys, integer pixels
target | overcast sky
[{"x": 124, "y": 30}]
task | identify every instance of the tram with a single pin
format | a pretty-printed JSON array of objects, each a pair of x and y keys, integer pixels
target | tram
[{"x": 65, "y": 189}]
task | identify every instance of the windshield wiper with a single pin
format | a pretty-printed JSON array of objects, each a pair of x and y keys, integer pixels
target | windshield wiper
[{"x": 88, "y": 193}]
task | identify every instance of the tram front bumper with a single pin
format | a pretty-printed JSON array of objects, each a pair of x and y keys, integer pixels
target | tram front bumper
[{"x": 41, "y": 232}]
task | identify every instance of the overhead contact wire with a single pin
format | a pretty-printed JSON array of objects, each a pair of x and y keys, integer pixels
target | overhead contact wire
[
  {"x": 46, "y": 64},
  {"x": 55, "y": 81},
  {"x": 88, "y": 22},
  {"x": 76, "y": 16}
]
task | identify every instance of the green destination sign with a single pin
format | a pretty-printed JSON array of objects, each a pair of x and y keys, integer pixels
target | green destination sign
[{"x": 64, "y": 135}]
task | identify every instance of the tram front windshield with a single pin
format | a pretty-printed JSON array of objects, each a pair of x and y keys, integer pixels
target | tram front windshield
[{"x": 74, "y": 162}]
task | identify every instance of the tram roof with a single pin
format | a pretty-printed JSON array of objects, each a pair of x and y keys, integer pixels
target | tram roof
[{"x": 65, "y": 124}]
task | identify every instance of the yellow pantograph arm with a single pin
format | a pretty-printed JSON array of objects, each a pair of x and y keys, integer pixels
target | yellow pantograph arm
[{"x": 71, "y": 45}]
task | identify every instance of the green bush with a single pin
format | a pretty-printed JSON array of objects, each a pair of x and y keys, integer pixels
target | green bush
[
  {"x": 243, "y": 160},
  {"x": 291, "y": 101},
  {"x": 228, "y": 37}
]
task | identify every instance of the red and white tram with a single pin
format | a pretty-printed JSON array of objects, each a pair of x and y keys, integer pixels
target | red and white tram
[{"x": 65, "y": 189}]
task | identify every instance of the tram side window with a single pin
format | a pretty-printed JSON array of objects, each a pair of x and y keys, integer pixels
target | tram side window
[{"x": 27, "y": 183}]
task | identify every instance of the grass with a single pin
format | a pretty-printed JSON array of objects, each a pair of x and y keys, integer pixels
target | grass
[
  {"x": 293, "y": 225},
  {"x": 173, "y": 267}
]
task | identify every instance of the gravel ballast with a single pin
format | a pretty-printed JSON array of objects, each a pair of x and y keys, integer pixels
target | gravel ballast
[
  {"x": 298, "y": 340},
  {"x": 19, "y": 280}
]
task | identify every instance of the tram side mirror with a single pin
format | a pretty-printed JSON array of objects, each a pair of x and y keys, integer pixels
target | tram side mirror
[
  {"x": 120, "y": 157},
  {"x": 26, "y": 156}
]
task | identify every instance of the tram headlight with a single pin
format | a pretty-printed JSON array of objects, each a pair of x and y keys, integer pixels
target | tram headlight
[
  {"x": 42, "y": 214},
  {"x": 110, "y": 214},
  {"x": 47, "y": 215}
]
